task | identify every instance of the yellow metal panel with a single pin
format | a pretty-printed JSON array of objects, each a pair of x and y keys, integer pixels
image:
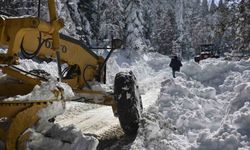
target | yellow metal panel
[
  {"x": 21, "y": 115},
  {"x": 13, "y": 89},
  {"x": 52, "y": 10},
  {"x": 2, "y": 28},
  {"x": 108, "y": 99},
  {"x": 26, "y": 32},
  {"x": 71, "y": 53},
  {"x": 22, "y": 121},
  {"x": 2, "y": 133},
  {"x": 22, "y": 140},
  {"x": 21, "y": 76}
]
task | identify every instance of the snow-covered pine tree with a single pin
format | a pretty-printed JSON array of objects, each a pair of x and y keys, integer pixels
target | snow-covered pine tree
[
  {"x": 192, "y": 19},
  {"x": 67, "y": 12},
  {"x": 243, "y": 29},
  {"x": 76, "y": 22},
  {"x": 204, "y": 8},
  {"x": 111, "y": 20},
  {"x": 134, "y": 26},
  {"x": 168, "y": 34},
  {"x": 21, "y": 7},
  {"x": 149, "y": 11},
  {"x": 90, "y": 14},
  {"x": 153, "y": 22},
  {"x": 212, "y": 7},
  {"x": 164, "y": 27},
  {"x": 194, "y": 22},
  {"x": 223, "y": 31}
]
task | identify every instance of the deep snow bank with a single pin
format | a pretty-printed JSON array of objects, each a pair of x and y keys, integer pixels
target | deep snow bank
[
  {"x": 149, "y": 68},
  {"x": 205, "y": 108},
  {"x": 46, "y": 135},
  {"x": 51, "y": 136}
]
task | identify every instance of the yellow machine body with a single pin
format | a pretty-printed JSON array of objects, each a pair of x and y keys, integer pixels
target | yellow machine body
[
  {"x": 30, "y": 33},
  {"x": 33, "y": 35},
  {"x": 16, "y": 117}
]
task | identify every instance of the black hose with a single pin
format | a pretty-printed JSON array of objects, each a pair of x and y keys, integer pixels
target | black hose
[
  {"x": 29, "y": 73},
  {"x": 40, "y": 44},
  {"x": 32, "y": 55},
  {"x": 65, "y": 70}
]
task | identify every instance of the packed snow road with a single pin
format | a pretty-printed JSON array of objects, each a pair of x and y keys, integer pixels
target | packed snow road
[{"x": 95, "y": 119}]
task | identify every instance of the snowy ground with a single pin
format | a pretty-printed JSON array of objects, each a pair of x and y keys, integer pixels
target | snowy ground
[
  {"x": 205, "y": 108},
  {"x": 97, "y": 120}
]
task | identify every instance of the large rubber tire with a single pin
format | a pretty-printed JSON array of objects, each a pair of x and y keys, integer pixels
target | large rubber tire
[{"x": 129, "y": 104}]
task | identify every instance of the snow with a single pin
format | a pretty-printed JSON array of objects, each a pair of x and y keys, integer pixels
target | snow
[
  {"x": 57, "y": 138},
  {"x": 46, "y": 135},
  {"x": 51, "y": 90},
  {"x": 50, "y": 67},
  {"x": 205, "y": 108},
  {"x": 2, "y": 50}
]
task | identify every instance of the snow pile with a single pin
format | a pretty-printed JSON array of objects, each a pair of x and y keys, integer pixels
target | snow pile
[
  {"x": 212, "y": 72},
  {"x": 146, "y": 69},
  {"x": 51, "y": 136},
  {"x": 29, "y": 65},
  {"x": 241, "y": 97},
  {"x": 46, "y": 135},
  {"x": 205, "y": 108},
  {"x": 2, "y": 50},
  {"x": 233, "y": 133}
]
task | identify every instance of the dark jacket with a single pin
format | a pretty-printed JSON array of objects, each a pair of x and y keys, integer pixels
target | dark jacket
[{"x": 175, "y": 64}]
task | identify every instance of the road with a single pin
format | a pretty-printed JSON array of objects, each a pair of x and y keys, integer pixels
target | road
[{"x": 95, "y": 119}]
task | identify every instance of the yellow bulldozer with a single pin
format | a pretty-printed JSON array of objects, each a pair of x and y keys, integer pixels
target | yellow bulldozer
[{"x": 33, "y": 37}]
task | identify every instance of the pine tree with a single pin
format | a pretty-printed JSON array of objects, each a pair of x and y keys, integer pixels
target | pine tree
[
  {"x": 89, "y": 13},
  {"x": 204, "y": 8},
  {"x": 164, "y": 27},
  {"x": 243, "y": 29},
  {"x": 213, "y": 7},
  {"x": 111, "y": 20},
  {"x": 149, "y": 10},
  {"x": 223, "y": 28},
  {"x": 134, "y": 27}
]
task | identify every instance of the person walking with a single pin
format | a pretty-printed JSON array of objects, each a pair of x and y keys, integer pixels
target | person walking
[{"x": 175, "y": 64}]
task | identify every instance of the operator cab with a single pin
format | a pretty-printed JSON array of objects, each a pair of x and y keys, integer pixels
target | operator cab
[{"x": 206, "y": 51}]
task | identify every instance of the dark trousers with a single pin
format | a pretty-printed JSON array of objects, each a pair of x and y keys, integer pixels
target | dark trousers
[{"x": 173, "y": 72}]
